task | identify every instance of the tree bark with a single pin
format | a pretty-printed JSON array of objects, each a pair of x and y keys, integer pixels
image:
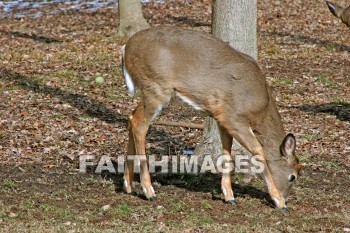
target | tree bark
[
  {"x": 234, "y": 22},
  {"x": 131, "y": 18}
]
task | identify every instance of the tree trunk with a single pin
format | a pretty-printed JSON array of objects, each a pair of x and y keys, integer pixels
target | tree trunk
[
  {"x": 234, "y": 22},
  {"x": 131, "y": 19}
]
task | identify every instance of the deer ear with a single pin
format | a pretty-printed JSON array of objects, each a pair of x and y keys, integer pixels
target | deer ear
[
  {"x": 331, "y": 8},
  {"x": 334, "y": 9},
  {"x": 288, "y": 146}
]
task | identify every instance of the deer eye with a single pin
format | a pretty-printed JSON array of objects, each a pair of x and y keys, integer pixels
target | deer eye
[{"x": 292, "y": 178}]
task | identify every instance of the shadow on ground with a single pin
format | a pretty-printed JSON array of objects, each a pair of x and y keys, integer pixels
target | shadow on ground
[
  {"x": 89, "y": 106},
  {"x": 340, "y": 110},
  {"x": 206, "y": 183},
  {"x": 34, "y": 37},
  {"x": 309, "y": 40}
]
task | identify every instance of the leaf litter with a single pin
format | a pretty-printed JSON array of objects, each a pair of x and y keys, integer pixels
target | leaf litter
[{"x": 52, "y": 112}]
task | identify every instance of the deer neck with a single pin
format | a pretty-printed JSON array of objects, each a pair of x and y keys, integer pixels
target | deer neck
[{"x": 271, "y": 133}]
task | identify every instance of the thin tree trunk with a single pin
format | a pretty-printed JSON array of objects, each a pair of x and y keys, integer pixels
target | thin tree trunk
[
  {"x": 234, "y": 22},
  {"x": 131, "y": 18}
]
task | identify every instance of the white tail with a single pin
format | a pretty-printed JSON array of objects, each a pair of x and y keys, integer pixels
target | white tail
[
  {"x": 340, "y": 12},
  {"x": 213, "y": 77}
]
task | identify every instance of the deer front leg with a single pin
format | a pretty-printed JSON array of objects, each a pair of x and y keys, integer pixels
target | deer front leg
[
  {"x": 244, "y": 135},
  {"x": 138, "y": 126},
  {"x": 226, "y": 185}
]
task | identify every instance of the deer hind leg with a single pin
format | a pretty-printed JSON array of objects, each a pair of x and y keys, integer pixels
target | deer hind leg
[
  {"x": 139, "y": 122},
  {"x": 129, "y": 162},
  {"x": 226, "y": 185},
  {"x": 244, "y": 135}
]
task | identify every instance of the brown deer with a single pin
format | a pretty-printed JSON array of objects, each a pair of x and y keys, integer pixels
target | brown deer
[
  {"x": 211, "y": 76},
  {"x": 340, "y": 12}
]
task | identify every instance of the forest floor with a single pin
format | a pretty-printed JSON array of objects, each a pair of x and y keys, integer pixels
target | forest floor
[{"x": 52, "y": 112}]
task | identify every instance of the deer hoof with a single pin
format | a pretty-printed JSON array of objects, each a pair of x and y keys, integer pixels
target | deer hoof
[
  {"x": 154, "y": 198},
  {"x": 231, "y": 202}
]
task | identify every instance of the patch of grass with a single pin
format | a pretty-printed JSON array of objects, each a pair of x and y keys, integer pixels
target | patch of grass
[
  {"x": 304, "y": 158},
  {"x": 330, "y": 48},
  {"x": 37, "y": 79},
  {"x": 64, "y": 56},
  {"x": 207, "y": 205},
  {"x": 312, "y": 137},
  {"x": 326, "y": 81},
  {"x": 57, "y": 212},
  {"x": 47, "y": 207},
  {"x": 7, "y": 88},
  {"x": 64, "y": 74},
  {"x": 16, "y": 56},
  {"x": 342, "y": 103},
  {"x": 302, "y": 190},
  {"x": 2, "y": 213},
  {"x": 178, "y": 207},
  {"x": 8, "y": 184},
  {"x": 101, "y": 57},
  {"x": 122, "y": 210},
  {"x": 84, "y": 116},
  {"x": 199, "y": 219},
  {"x": 116, "y": 70},
  {"x": 57, "y": 116},
  {"x": 173, "y": 224},
  {"x": 304, "y": 180},
  {"x": 347, "y": 82},
  {"x": 27, "y": 204},
  {"x": 282, "y": 81},
  {"x": 272, "y": 51},
  {"x": 330, "y": 165},
  {"x": 60, "y": 193},
  {"x": 239, "y": 177}
]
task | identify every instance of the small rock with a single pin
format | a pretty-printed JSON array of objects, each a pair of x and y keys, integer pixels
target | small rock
[
  {"x": 12, "y": 215},
  {"x": 135, "y": 216},
  {"x": 191, "y": 135},
  {"x": 159, "y": 207},
  {"x": 106, "y": 207}
]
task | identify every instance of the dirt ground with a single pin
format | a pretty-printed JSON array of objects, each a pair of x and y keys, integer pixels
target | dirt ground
[{"x": 52, "y": 112}]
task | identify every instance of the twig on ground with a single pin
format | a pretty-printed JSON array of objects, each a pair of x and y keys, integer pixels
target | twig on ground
[{"x": 180, "y": 124}]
